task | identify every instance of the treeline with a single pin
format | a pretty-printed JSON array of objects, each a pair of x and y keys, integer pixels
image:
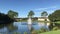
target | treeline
[
  {"x": 7, "y": 18},
  {"x": 55, "y": 16}
]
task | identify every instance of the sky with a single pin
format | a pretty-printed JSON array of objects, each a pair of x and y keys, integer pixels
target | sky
[{"x": 24, "y": 6}]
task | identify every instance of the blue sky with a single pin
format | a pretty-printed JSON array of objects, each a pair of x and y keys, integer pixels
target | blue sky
[{"x": 24, "y": 6}]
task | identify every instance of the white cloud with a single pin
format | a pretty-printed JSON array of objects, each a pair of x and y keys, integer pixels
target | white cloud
[{"x": 48, "y": 8}]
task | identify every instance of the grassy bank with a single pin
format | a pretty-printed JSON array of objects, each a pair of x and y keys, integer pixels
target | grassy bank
[{"x": 52, "y": 32}]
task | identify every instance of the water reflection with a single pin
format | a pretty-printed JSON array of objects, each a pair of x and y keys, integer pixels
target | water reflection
[
  {"x": 11, "y": 27},
  {"x": 7, "y": 27},
  {"x": 20, "y": 27}
]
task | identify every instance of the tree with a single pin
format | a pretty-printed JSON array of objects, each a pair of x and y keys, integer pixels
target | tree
[
  {"x": 54, "y": 16},
  {"x": 44, "y": 14},
  {"x": 12, "y": 14},
  {"x": 4, "y": 20},
  {"x": 30, "y": 14}
]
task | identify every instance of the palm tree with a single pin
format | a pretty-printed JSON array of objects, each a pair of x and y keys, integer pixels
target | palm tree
[
  {"x": 12, "y": 14},
  {"x": 30, "y": 14}
]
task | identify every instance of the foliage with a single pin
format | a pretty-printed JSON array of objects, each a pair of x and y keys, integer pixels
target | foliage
[
  {"x": 12, "y": 14},
  {"x": 30, "y": 14},
  {"x": 55, "y": 28},
  {"x": 54, "y": 16},
  {"x": 51, "y": 26},
  {"x": 52, "y": 32},
  {"x": 34, "y": 32},
  {"x": 5, "y": 19},
  {"x": 1, "y": 16},
  {"x": 43, "y": 30},
  {"x": 44, "y": 14},
  {"x": 57, "y": 25}
]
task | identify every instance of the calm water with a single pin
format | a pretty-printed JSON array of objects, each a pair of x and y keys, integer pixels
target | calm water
[{"x": 23, "y": 27}]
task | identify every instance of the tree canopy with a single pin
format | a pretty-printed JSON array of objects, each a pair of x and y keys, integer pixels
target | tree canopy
[
  {"x": 6, "y": 21},
  {"x": 30, "y": 14},
  {"x": 44, "y": 14},
  {"x": 12, "y": 14},
  {"x": 55, "y": 16}
]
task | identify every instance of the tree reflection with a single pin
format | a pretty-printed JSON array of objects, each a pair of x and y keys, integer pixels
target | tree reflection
[
  {"x": 11, "y": 27},
  {"x": 6, "y": 20}
]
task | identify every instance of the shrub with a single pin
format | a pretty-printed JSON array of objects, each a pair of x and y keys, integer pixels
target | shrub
[
  {"x": 34, "y": 32},
  {"x": 42, "y": 30},
  {"x": 55, "y": 28}
]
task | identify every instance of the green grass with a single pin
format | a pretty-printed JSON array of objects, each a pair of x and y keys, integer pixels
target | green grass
[
  {"x": 52, "y": 32},
  {"x": 58, "y": 22}
]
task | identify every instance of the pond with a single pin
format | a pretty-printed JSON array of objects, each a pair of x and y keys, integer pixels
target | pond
[{"x": 23, "y": 27}]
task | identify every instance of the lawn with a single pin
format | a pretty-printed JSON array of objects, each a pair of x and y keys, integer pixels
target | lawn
[{"x": 52, "y": 32}]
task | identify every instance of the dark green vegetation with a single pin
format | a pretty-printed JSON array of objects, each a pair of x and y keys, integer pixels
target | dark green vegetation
[
  {"x": 42, "y": 30},
  {"x": 55, "y": 19},
  {"x": 25, "y": 19},
  {"x": 12, "y": 14},
  {"x": 54, "y": 23},
  {"x": 55, "y": 16},
  {"x": 52, "y": 32},
  {"x": 6, "y": 20},
  {"x": 44, "y": 14},
  {"x": 31, "y": 13}
]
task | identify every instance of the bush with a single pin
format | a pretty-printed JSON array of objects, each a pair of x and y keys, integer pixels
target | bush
[
  {"x": 42, "y": 30},
  {"x": 55, "y": 28},
  {"x": 34, "y": 32},
  {"x": 39, "y": 31},
  {"x": 51, "y": 26}
]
